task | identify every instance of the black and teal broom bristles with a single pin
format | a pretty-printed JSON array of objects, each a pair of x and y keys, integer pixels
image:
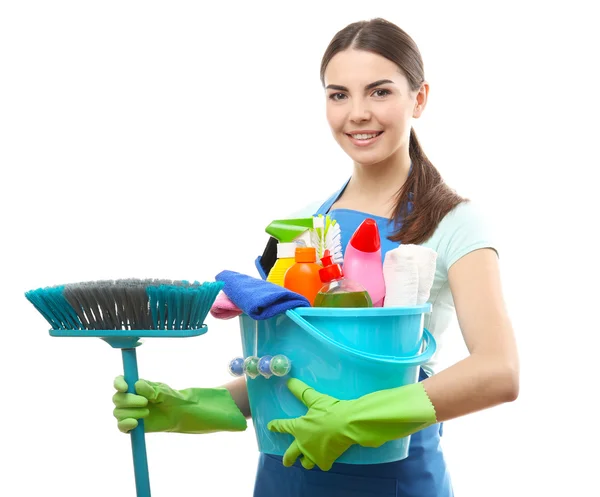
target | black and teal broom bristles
[
  {"x": 126, "y": 304},
  {"x": 121, "y": 311}
]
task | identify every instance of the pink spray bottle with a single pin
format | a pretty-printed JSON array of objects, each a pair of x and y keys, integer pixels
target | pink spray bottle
[{"x": 362, "y": 260}]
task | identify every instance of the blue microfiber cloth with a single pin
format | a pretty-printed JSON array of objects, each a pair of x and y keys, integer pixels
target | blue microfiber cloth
[{"x": 257, "y": 298}]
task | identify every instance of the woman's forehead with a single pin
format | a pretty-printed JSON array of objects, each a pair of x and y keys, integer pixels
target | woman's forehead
[{"x": 360, "y": 68}]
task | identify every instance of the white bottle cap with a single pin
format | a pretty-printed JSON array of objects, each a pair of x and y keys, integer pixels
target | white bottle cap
[{"x": 286, "y": 250}]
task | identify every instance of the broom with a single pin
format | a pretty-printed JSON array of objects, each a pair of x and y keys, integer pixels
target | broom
[{"x": 121, "y": 312}]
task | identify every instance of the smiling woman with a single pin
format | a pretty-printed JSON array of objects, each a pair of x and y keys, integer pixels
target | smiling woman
[{"x": 372, "y": 74}]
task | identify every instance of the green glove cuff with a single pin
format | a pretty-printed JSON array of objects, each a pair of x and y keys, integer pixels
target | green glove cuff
[
  {"x": 387, "y": 415},
  {"x": 193, "y": 410}
]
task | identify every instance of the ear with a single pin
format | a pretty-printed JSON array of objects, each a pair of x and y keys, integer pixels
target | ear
[{"x": 421, "y": 100}]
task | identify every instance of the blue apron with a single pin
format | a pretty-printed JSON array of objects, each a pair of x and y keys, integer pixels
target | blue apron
[{"x": 422, "y": 474}]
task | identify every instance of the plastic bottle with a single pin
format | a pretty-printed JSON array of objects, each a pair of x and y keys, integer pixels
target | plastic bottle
[
  {"x": 303, "y": 276},
  {"x": 362, "y": 260},
  {"x": 339, "y": 291},
  {"x": 286, "y": 258},
  {"x": 290, "y": 230}
]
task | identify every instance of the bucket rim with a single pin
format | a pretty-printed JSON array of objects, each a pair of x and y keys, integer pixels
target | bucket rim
[
  {"x": 341, "y": 312},
  {"x": 415, "y": 359}
]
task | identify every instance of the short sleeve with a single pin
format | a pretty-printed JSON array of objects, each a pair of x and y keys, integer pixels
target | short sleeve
[{"x": 463, "y": 230}]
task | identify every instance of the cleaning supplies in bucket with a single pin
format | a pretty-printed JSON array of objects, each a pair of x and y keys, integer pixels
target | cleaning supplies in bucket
[
  {"x": 286, "y": 258},
  {"x": 404, "y": 278},
  {"x": 224, "y": 308},
  {"x": 327, "y": 238},
  {"x": 408, "y": 271},
  {"x": 257, "y": 298},
  {"x": 294, "y": 230},
  {"x": 340, "y": 349},
  {"x": 303, "y": 276},
  {"x": 363, "y": 262},
  {"x": 321, "y": 232},
  {"x": 338, "y": 291}
]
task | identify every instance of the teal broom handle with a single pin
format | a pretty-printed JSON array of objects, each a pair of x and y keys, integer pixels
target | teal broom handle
[{"x": 138, "y": 442}]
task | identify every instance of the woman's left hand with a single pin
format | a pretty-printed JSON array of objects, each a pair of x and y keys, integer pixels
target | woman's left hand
[{"x": 331, "y": 426}]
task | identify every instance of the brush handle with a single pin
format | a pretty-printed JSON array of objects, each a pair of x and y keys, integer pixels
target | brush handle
[{"x": 138, "y": 442}]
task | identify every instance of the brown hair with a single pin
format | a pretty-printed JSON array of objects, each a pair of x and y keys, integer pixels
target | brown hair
[{"x": 431, "y": 198}]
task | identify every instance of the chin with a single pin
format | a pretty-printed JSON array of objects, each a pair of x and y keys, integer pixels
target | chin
[{"x": 370, "y": 158}]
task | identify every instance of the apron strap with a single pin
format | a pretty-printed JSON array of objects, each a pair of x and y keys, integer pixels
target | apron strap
[{"x": 324, "y": 209}]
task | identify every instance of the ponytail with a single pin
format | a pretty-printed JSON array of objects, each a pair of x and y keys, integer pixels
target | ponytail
[{"x": 430, "y": 197}]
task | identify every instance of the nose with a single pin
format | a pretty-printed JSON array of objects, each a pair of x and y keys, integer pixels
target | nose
[{"x": 360, "y": 111}]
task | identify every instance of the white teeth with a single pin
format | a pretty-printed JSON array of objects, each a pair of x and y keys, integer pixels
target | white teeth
[{"x": 364, "y": 136}]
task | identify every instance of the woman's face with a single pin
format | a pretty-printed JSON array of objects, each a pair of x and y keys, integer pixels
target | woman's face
[{"x": 369, "y": 105}]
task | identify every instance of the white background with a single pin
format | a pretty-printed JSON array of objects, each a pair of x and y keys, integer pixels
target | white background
[{"x": 158, "y": 139}]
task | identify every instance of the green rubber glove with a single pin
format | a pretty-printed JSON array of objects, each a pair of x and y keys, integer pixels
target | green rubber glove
[
  {"x": 193, "y": 410},
  {"x": 331, "y": 426}
]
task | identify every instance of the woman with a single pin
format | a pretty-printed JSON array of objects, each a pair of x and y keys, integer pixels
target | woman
[{"x": 373, "y": 77}]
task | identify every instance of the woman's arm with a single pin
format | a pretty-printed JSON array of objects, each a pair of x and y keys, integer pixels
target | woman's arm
[
  {"x": 239, "y": 393},
  {"x": 490, "y": 375}
]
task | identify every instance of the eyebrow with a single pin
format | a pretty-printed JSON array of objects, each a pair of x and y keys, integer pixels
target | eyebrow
[{"x": 370, "y": 86}]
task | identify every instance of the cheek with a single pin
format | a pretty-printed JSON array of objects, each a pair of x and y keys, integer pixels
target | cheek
[
  {"x": 335, "y": 117},
  {"x": 391, "y": 120},
  {"x": 392, "y": 117}
]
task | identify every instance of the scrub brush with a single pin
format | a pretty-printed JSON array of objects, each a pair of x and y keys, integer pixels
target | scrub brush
[
  {"x": 121, "y": 312},
  {"x": 328, "y": 237}
]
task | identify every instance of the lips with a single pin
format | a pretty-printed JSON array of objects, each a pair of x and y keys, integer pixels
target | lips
[{"x": 359, "y": 138}]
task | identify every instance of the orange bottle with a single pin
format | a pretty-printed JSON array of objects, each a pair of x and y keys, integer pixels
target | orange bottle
[{"x": 303, "y": 276}]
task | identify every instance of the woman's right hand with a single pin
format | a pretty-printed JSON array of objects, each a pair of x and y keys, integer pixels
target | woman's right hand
[
  {"x": 129, "y": 407},
  {"x": 193, "y": 410}
]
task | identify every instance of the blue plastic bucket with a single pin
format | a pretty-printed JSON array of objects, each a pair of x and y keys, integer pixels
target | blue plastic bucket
[{"x": 339, "y": 352}]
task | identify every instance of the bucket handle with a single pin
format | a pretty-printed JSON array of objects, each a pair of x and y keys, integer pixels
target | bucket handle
[{"x": 421, "y": 358}]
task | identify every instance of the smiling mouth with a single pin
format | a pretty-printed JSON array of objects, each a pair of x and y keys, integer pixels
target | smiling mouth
[{"x": 364, "y": 136}]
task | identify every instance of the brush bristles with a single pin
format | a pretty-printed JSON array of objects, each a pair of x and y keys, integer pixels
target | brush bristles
[
  {"x": 328, "y": 238},
  {"x": 333, "y": 243},
  {"x": 52, "y": 304},
  {"x": 126, "y": 304}
]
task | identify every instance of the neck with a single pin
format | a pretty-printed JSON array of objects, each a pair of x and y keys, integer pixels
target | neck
[{"x": 386, "y": 177}]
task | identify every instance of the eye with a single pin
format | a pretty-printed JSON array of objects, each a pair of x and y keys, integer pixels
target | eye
[
  {"x": 337, "y": 96},
  {"x": 382, "y": 93}
]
